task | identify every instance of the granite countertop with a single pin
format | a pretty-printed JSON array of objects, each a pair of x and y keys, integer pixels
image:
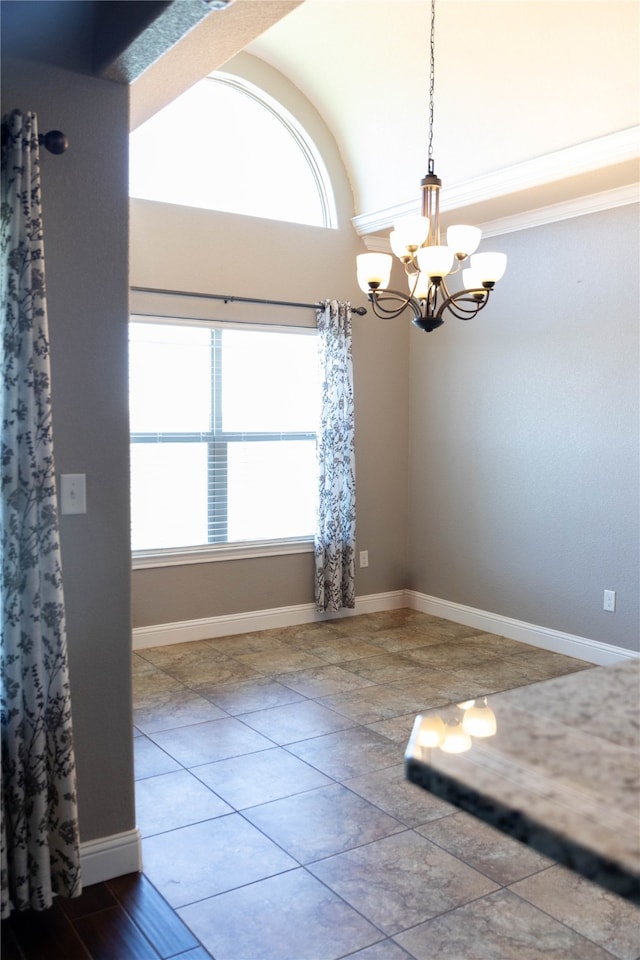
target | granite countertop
[{"x": 561, "y": 773}]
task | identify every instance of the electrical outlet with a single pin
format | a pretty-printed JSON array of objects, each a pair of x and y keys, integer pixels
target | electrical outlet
[
  {"x": 610, "y": 600},
  {"x": 364, "y": 558}
]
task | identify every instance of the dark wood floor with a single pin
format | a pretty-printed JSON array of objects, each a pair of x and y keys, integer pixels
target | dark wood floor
[{"x": 122, "y": 919}]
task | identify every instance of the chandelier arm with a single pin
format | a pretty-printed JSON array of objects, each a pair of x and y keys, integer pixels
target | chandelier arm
[
  {"x": 454, "y": 304},
  {"x": 411, "y": 269},
  {"x": 457, "y": 267},
  {"x": 446, "y": 295},
  {"x": 393, "y": 296},
  {"x": 431, "y": 302},
  {"x": 445, "y": 290}
]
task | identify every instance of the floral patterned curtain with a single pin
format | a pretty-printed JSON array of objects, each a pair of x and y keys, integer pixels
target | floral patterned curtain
[
  {"x": 336, "y": 528},
  {"x": 40, "y": 846}
]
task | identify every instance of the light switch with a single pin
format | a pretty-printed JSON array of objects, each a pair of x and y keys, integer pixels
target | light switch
[{"x": 73, "y": 493}]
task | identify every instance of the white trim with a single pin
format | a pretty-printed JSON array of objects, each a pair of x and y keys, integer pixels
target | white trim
[
  {"x": 168, "y": 320},
  {"x": 582, "y": 158},
  {"x": 593, "y": 651},
  {"x": 145, "y": 559},
  {"x": 579, "y": 207},
  {"x": 300, "y": 136},
  {"x": 111, "y": 856},
  {"x": 594, "y": 203},
  {"x": 208, "y": 628}
]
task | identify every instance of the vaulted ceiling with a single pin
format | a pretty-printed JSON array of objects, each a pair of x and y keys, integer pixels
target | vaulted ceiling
[
  {"x": 536, "y": 101},
  {"x": 516, "y": 83}
]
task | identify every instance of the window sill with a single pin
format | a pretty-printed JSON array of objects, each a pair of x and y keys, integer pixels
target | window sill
[{"x": 145, "y": 559}]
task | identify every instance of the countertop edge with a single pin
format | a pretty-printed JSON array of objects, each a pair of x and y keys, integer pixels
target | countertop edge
[{"x": 515, "y": 823}]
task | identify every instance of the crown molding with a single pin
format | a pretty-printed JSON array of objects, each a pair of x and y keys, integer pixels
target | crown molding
[
  {"x": 594, "y": 203},
  {"x": 579, "y": 207},
  {"x": 584, "y": 158}
]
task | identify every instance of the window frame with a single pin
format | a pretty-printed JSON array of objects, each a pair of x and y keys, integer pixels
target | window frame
[
  {"x": 300, "y": 138},
  {"x": 298, "y": 134},
  {"x": 217, "y": 440}
]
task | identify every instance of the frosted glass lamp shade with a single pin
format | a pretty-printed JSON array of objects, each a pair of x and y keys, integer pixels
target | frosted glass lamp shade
[
  {"x": 463, "y": 240},
  {"x": 408, "y": 232},
  {"x": 435, "y": 261},
  {"x": 374, "y": 271},
  {"x": 471, "y": 279},
  {"x": 490, "y": 266}
]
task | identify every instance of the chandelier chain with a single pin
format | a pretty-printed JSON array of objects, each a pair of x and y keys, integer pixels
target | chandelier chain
[{"x": 432, "y": 75}]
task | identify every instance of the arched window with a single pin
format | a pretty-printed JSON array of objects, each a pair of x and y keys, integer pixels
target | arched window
[{"x": 226, "y": 145}]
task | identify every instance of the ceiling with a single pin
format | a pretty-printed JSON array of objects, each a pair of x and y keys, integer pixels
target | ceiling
[
  {"x": 514, "y": 81},
  {"x": 536, "y": 101}
]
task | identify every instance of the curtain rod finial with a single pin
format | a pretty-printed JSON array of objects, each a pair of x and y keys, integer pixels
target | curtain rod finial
[{"x": 55, "y": 141}]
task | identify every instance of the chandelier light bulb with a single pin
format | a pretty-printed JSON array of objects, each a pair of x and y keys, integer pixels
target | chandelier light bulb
[
  {"x": 463, "y": 240},
  {"x": 435, "y": 261},
  {"x": 374, "y": 271},
  {"x": 490, "y": 266},
  {"x": 480, "y": 720}
]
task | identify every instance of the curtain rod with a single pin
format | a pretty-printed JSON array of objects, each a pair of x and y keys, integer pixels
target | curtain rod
[
  {"x": 360, "y": 311},
  {"x": 55, "y": 141}
]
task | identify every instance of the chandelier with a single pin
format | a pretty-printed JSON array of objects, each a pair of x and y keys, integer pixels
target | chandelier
[{"x": 415, "y": 240}]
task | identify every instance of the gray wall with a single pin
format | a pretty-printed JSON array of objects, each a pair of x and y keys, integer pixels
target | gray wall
[
  {"x": 85, "y": 210},
  {"x": 181, "y": 248},
  {"x": 524, "y": 438},
  {"x": 521, "y": 457}
]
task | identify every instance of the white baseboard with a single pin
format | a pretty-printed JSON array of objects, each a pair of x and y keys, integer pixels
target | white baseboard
[
  {"x": 593, "y": 651},
  {"x": 111, "y": 857},
  {"x": 210, "y": 627}
]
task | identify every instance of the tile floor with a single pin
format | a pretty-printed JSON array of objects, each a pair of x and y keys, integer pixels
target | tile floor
[{"x": 277, "y": 822}]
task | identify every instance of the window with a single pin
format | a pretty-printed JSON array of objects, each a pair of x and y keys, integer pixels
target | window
[
  {"x": 223, "y": 442},
  {"x": 226, "y": 145}
]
